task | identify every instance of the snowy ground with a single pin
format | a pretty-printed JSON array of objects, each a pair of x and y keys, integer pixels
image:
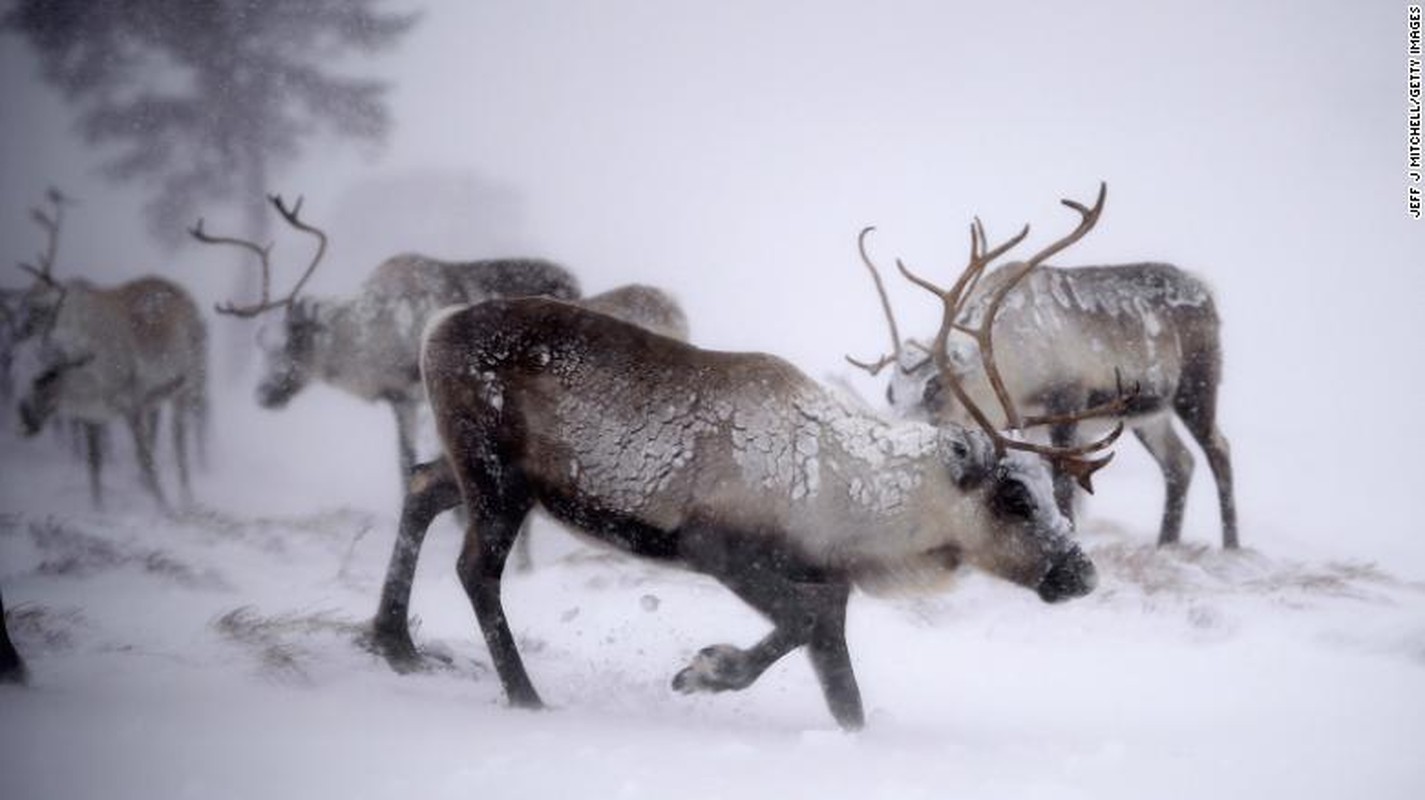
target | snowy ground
[{"x": 218, "y": 655}]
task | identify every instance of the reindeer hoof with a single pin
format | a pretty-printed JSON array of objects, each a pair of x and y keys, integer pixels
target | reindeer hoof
[
  {"x": 714, "y": 669},
  {"x": 394, "y": 646}
]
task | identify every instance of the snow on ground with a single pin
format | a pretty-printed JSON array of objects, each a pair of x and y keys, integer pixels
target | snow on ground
[{"x": 218, "y": 655}]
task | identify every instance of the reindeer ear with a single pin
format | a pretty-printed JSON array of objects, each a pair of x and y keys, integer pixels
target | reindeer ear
[
  {"x": 968, "y": 455},
  {"x": 964, "y": 356}
]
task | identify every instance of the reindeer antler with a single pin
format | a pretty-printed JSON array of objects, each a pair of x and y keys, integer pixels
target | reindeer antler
[
  {"x": 1073, "y": 460},
  {"x": 264, "y": 256},
  {"x": 895, "y": 356},
  {"x": 51, "y": 223}
]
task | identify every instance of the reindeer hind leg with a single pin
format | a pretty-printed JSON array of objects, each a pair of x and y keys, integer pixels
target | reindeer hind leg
[
  {"x": 1196, "y": 405},
  {"x": 496, "y": 513},
  {"x": 1176, "y": 463}
]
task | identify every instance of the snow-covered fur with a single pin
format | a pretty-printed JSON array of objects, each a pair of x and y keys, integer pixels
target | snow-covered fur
[
  {"x": 646, "y": 306},
  {"x": 122, "y": 353},
  {"x": 368, "y": 345},
  {"x": 1062, "y": 339},
  {"x": 732, "y": 464}
]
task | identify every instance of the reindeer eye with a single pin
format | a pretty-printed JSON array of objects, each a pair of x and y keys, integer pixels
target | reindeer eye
[{"x": 1011, "y": 498}]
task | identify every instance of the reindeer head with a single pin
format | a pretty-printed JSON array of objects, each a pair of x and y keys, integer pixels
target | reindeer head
[
  {"x": 289, "y": 354},
  {"x": 1027, "y": 540},
  {"x": 43, "y": 399},
  {"x": 1018, "y": 532},
  {"x": 289, "y": 351}
]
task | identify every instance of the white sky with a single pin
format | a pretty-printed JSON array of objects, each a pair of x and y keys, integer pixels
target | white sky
[{"x": 731, "y": 150}]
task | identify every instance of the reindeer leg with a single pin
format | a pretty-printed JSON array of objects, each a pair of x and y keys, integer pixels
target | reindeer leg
[
  {"x": 405, "y": 411},
  {"x": 495, "y": 519},
  {"x": 830, "y": 657},
  {"x": 806, "y": 607},
  {"x": 94, "y": 447},
  {"x": 143, "y": 448},
  {"x": 1064, "y": 401},
  {"x": 431, "y": 490},
  {"x": 180, "y": 448},
  {"x": 524, "y": 553},
  {"x": 1063, "y": 436},
  {"x": 1196, "y": 405},
  {"x": 1176, "y": 462}
]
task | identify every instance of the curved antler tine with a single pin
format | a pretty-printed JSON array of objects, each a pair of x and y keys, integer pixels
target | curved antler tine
[
  {"x": 264, "y": 258},
  {"x": 1088, "y": 217},
  {"x": 1008, "y": 245},
  {"x": 290, "y": 214},
  {"x": 1082, "y": 469},
  {"x": 919, "y": 281},
  {"x": 885, "y": 302},
  {"x": 293, "y": 217},
  {"x": 873, "y": 367}
]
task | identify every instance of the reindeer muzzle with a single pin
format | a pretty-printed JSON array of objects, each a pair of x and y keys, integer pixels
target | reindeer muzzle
[{"x": 1072, "y": 575}]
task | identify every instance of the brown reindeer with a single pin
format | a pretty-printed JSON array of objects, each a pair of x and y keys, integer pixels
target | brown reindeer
[
  {"x": 1070, "y": 338},
  {"x": 431, "y": 487},
  {"x": 367, "y": 345},
  {"x": 645, "y": 306},
  {"x": 120, "y": 352},
  {"x": 731, "y": 464}
]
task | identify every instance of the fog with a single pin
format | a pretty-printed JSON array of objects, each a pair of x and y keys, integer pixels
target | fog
[{"x": 730, "y": 152}]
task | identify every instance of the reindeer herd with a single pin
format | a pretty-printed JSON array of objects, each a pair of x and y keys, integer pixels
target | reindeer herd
[{"x": 599, "y": 412}]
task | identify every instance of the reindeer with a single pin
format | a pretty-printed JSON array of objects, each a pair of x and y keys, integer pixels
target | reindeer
[
  {"x": 735, "y": 465},
  {"x": 367, "y": 345},
  {"x": 1074, "y": 335},
  {"x": 123, "y": 352},
  {"x": 645, "y": 306},
  {"x": 119, "y": 352},
  {"x": 12, "y": 667},
  {"x": 431, "y": 487}
]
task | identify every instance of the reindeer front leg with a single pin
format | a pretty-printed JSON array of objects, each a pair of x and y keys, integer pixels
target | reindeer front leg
[
  {"x": 143, "y": 448},
  {"x": 806, "y": 607},
  {"x": 94, "y": 455}
]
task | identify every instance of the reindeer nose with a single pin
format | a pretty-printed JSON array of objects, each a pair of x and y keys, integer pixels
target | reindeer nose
[{"x": 1073, "y": 575}]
